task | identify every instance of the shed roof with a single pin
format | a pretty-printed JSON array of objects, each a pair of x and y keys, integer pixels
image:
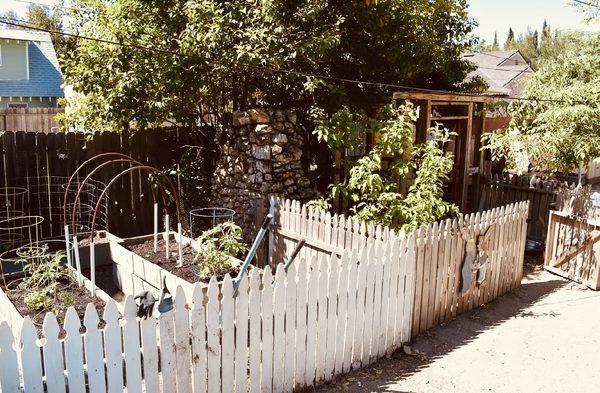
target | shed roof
[{"x": 499, "y": 69}]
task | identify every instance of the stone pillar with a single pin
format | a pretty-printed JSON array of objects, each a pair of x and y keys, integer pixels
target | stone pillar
[{"x": 261, "y": 155}]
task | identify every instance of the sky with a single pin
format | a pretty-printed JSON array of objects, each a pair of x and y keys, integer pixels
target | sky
[
  {"x": 492, "y": 15},
  {"x": 499, "y": 15}
]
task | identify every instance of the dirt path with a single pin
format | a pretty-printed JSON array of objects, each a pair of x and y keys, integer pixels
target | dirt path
[{"x": 544, "y": 337}]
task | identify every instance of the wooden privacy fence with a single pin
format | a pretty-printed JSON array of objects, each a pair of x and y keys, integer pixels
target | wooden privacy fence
[
  {"x": 30, "y": 119},
  {"x": 434, "y": 280},
  {"x": 573, "y": 248},
  {"x": 541, "y": 194},
  {"x": 35, "y": 161}
]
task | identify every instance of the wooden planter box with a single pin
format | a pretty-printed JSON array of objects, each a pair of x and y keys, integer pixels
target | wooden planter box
[
  {"x": 10, "y": 314},
  {"x": 134, "y": 273}
]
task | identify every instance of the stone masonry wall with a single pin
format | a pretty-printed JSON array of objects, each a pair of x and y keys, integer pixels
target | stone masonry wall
[{"x": 261, "y": 155}]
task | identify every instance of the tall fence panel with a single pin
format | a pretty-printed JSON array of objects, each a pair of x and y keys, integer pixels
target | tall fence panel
[
  {"x": 541, "y": 194},
  {"x": 42, "y": 164},
  {"x": 573, "y": 248},
  {"x": 39, "y": 120}
]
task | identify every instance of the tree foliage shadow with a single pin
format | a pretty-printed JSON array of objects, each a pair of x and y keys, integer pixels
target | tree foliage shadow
[{"x": 445, "y": 338}]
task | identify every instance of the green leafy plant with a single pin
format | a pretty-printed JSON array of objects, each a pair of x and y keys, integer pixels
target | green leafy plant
[
  {"x": 44, "y": 284},
  {"x": 217, "y": 245},
  {"x": 373, "y": 182}
]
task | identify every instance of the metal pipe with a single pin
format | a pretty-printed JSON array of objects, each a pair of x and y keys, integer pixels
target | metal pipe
[
  {"x": 290, "y": 260},
  {"x": 80, "y": 167},
  {"x": 180, "y": 245},
  {"x": 69, "y": 262},
  {"x": 155, "y": 227},
  {"x": 252, "y": 252}
]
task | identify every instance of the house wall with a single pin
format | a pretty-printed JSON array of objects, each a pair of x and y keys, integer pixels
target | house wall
[
  {"x": 14, "y": 60},
  {"x": 32, "y": 102}
]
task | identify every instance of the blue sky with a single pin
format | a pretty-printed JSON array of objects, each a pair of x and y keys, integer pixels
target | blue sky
[{"x": 493, "y": 15}]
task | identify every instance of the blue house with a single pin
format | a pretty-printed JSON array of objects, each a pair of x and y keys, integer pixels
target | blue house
[{"x": 29, "y": 73}]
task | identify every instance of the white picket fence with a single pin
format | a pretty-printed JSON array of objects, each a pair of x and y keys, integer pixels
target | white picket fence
[
  {"x": 307, "y": 326},
  {"x": 439, "y": 252},
  {"x": 354, "y": 295}
]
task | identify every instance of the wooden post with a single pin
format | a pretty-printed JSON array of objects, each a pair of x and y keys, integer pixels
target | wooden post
[
  {"x": 270, "y": 250},
  {"x": 259, "y": 215},
  {"x": 466, "y": 160}
]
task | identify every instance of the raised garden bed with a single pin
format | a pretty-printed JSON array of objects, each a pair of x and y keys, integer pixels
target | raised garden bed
[
  {"x": 12, "y": 304},
  {"x": 13, "y": 308},
  {"x": 138, "y": 268}
]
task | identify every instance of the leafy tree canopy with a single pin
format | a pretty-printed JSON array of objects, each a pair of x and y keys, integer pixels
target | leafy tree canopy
[
  {"x": 562, "y": 130},
  {"x": 212, "y": 56}
]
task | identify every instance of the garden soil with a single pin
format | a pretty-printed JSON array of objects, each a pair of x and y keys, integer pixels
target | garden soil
[{"x": 188, "y": 271}]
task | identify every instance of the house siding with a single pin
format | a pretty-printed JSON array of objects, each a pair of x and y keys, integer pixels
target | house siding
[
  {"x": 45, "y": 78},
  {"x": 14, "y": 60}
]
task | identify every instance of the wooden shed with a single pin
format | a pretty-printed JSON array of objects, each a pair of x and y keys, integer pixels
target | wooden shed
[{"x": 463, "y": 114}]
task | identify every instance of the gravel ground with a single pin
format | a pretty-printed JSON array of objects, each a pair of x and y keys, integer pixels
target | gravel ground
[{"x": 543, "y": 337}]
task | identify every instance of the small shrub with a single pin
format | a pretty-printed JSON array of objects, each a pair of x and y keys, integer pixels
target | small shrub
[
  {"x": 44, "y": 285},
  {"x": 216, "y": 247}
]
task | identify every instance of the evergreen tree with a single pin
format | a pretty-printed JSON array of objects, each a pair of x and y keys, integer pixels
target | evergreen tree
[
  {"x": 545, "y": 31},
  {"x": 510, "y": 40},
  {"x": 495, "y": 45}
]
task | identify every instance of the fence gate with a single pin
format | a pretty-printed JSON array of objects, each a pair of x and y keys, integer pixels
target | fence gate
[{"x": 573, "y": 248}]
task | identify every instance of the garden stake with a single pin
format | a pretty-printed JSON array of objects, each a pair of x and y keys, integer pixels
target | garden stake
[
  {"x": 290, "y": 260},
  {"x": 93, "y": 266},
  {"x": 167, "y": 235},
  {"x": 155, "y": 227},
  {"x": 179, "y": 244},
  {"x": 69, "y": 262},
  {"x": 252, "y": 252},
  {"x": 77, "y": 260}
]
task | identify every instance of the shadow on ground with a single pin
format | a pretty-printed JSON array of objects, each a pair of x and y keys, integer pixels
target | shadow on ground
[{"x": 447, "y": 337}]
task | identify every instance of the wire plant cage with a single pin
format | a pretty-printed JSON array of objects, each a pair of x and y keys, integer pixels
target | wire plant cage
[{"x": 205, "y": 218}]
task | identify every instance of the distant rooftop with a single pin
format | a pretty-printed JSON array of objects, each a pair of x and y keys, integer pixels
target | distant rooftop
[
  {"x": 45, "y": 78},
  {"x": 25, "y": 35},
  {"x": 502, "y": 70}
]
